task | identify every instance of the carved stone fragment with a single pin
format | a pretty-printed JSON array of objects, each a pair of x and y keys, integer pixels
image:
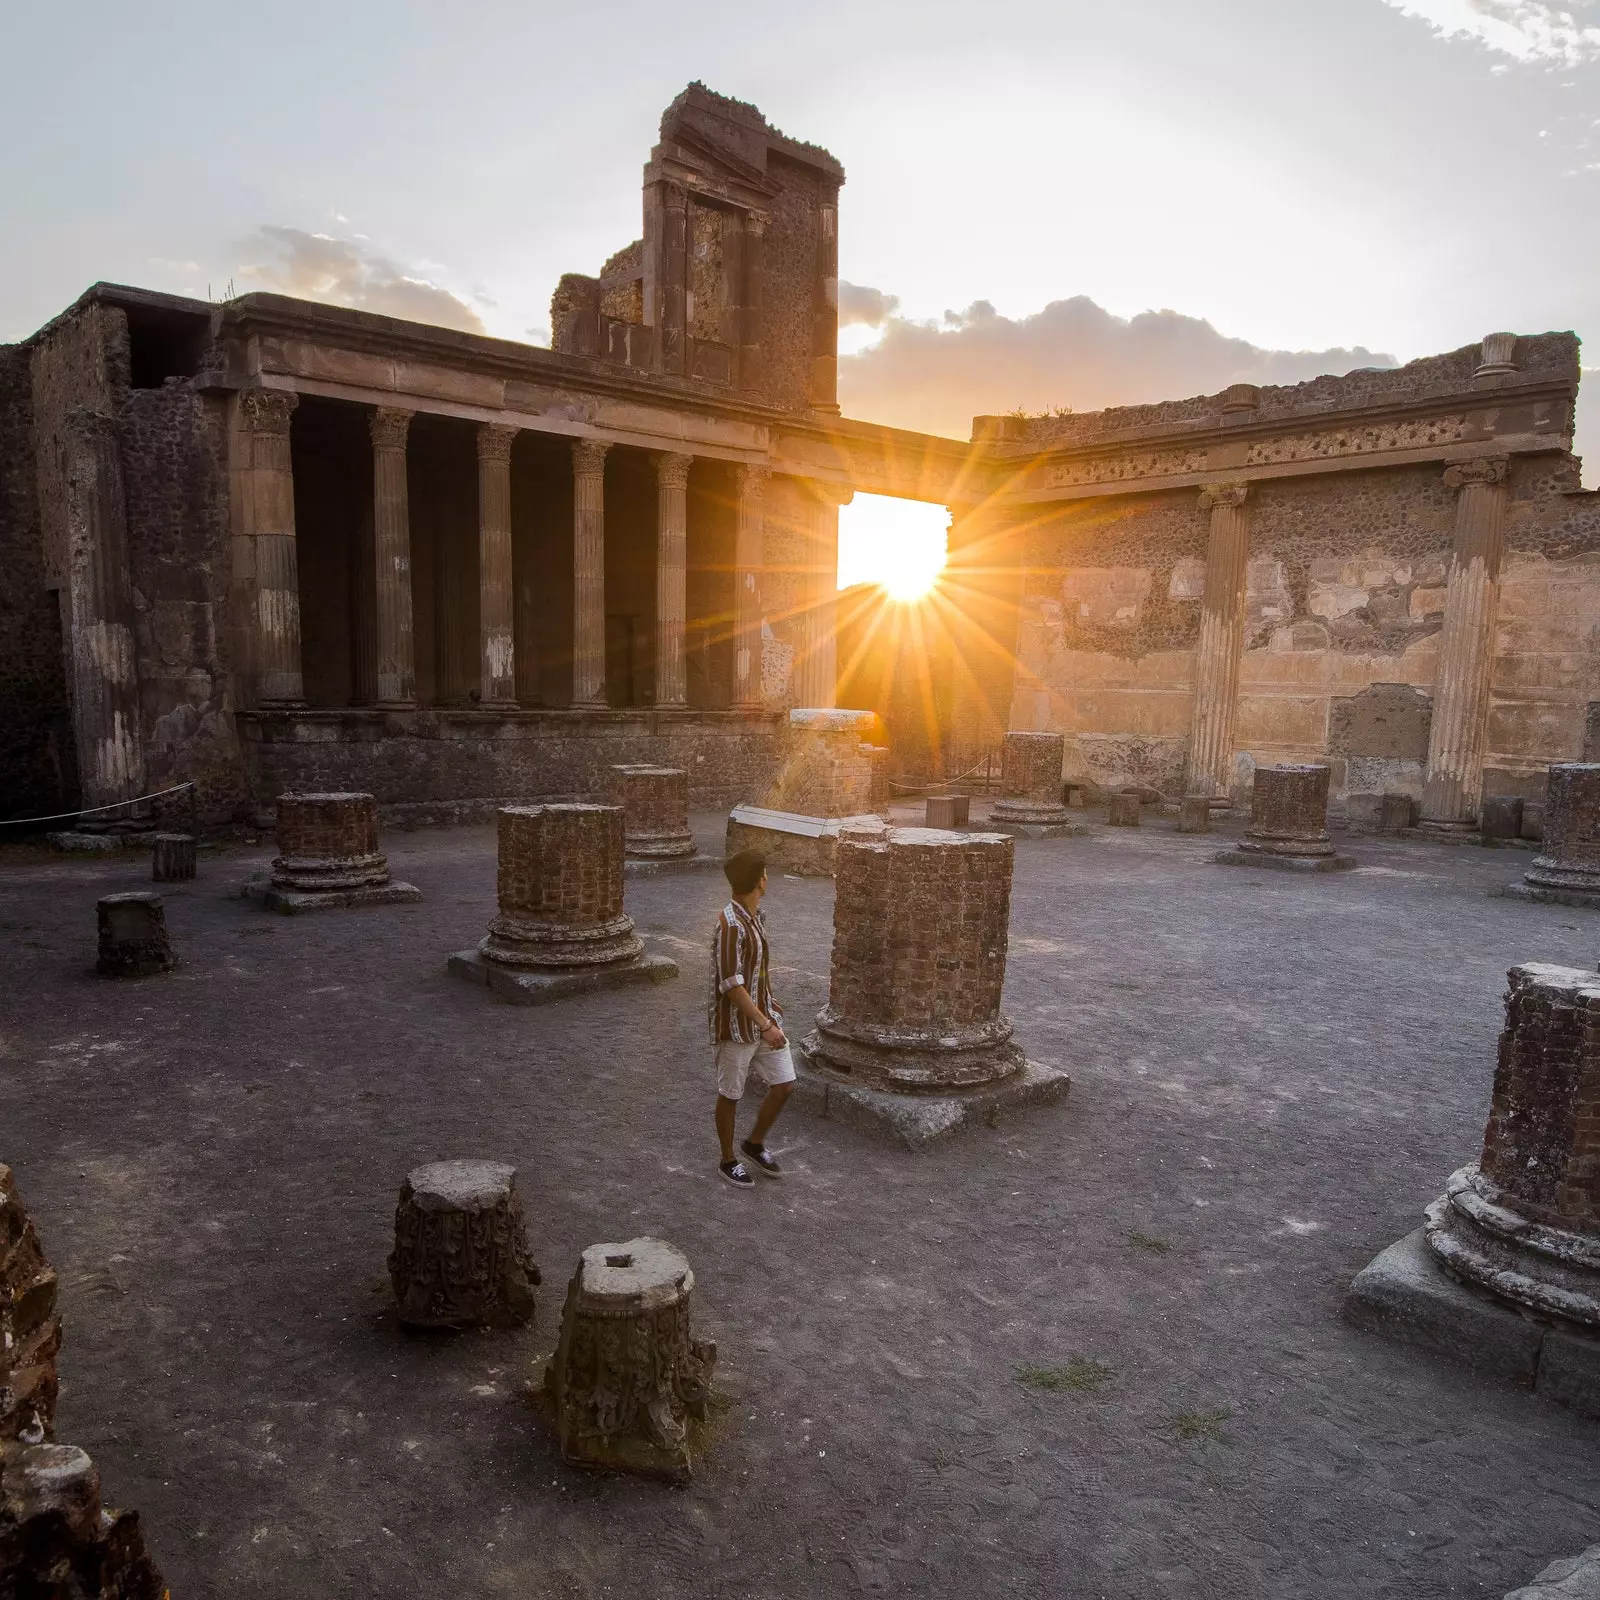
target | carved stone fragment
[
  {"x": 172, "y": 857},
  {"x": 30, "y": 1330},
  {"x": 133, "y": 935},
  {"x": 1194, "y": 814},
  {"x": 1123, "y": 810},
  {"x": 460, "y": 1257},
  {"x": 629, "y": 1378}
]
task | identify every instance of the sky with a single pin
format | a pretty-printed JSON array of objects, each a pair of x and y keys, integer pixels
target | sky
[{"x": 1049, "y": 202}]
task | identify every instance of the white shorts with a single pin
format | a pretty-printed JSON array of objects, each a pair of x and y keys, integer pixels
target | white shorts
[{"x": 736, "y": 1062}]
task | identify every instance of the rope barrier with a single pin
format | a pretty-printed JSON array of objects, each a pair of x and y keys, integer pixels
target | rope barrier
[
  {"x": 89, "y": 811},
  {"x": 925, "y": 788}
]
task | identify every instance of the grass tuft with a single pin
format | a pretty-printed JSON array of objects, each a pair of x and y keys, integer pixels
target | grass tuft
[
  {"x": 1203, "y": 1426},
  {"x": 1080, "y": 1376},
  {"x": 1148, "y": 1241}
]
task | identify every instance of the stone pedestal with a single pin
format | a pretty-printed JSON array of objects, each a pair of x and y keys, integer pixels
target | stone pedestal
[
  {"x": 1288, "y": 823},
  {"x": 655, "y": 812},
  {"x": 561, "y": 928},
  {"x": 629, "y": 1380},
  {"x": 1123, "y": 810},
  {"x": 1567, "y": 869},
  {"x": 133, "y": 936},
  {"x": 1396, "y": 813},
  {"x": 1194, "y": 814},
  {"x": 30, "y": 1331},
  {"x": 1030, "y": 776},
  {"x": 947, "y": 811},
  {"x": 1508, "y": 1278},
  {"x": 56, "y": 1538},
  {"x": 460, "y": 1257},
  {"x": 912, "y": 1034},
  {"x": 1500, "y": 819},
  {"x": 172, "y": 857},
  {"x": 328, "y": 856}
]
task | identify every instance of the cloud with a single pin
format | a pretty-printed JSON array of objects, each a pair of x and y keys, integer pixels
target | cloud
[
  {"x": 869, "y": 307},
  {"x": 1072, "y": 353},
  {"x": 345, "y": 272},
  {"x": 1526, "y": 30}
]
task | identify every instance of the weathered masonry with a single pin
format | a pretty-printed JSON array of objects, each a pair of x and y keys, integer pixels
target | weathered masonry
[
  {"x": 1394, "y": 572},
  {"x": 276, "y": 546}
]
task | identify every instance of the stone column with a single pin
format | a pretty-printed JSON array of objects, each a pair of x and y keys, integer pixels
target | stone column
[
  {"x": 1567, "y": 867},
  {"x": 1289, "y": 812},
  {"x": 105, "y": 684},
  {"x": 750, "y": 364},
  {"x": 391, "y": 538},
  {"x": 497, "y": 684},
  {"x": 1030, "y": 775},
  {"x": 752, "y": 482},
  {"x": 589, "y": 572},
  {"x": 1466, "y": 648},
  {"x": 817, "y": 670},
  {"x": 655, "y": 809},
  {"x": 265, "y": 525},
  {"x": 825, "y": 310},
  {"x": 328, "y": 856},
  {"x": 1216, "y": 661},
  {"x": 672, "y": 576}
]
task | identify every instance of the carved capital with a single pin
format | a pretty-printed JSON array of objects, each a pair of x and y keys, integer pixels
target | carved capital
[
  {"x": 1223, "y": 494},
  {"x": 752, "y": 481},
  {"x": 388, "y": 427},
  {"x": 495, "y": 441},
  {"x": 755, "y": 224},
  {"x": 672, "y": 471},
  {"x": 267, "y": 410},
  {"x": 589, "y": 457},
  {"x": 1487, "y": 469},
  {"x": 1496, "y": 355}
]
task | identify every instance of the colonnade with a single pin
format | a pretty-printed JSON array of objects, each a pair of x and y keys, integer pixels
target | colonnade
[{"x": 266, "y": 570}]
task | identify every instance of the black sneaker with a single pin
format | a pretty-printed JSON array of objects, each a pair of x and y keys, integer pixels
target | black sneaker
[
  {"x": 764, "y": 1159},
  {"x": 736, "y": 1173}
]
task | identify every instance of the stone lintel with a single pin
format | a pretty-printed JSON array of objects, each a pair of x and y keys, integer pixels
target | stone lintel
[{"x": 524, "y": 987}]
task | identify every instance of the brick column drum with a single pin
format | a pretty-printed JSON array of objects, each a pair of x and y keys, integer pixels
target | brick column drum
[
  {"x": 628, "y": 1380},
  {"x": 328, "y": 856},
  {"x": 1288, "y": 822},
  {"x": 655, "y": 810},
  {"x": 1030, "y": 775},
  {"x": 1567, "y": 868}
]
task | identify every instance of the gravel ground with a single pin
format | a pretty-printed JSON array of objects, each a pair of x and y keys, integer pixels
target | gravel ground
[{"x": 1092, "y": 1352}]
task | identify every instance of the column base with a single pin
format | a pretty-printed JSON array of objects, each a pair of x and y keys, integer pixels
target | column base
[
  {"x": 1541, "y": 894},
  {"x": 524, "y": 987},
  {"x": 289, "y": 902},
  {"x": 1240, "y": 857}
]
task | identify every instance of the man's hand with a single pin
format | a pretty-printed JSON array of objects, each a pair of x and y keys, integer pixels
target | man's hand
[{"x": 773, "y": 1037}]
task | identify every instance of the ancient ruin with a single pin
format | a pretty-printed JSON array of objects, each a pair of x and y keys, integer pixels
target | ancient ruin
[
  {"x": 655, "y": 813},
  {"x": 561, "y": 928},
  {"x": 172, "y": 857},
  {"x": 328, "y": 857},
  {"x": 947, "y": 811},
  {"x": 1194, "y": 814},
  {"x": 1125, "y": 809},
  {"x": 913, "y": 1037},
  {"x": 1505, "y": 1272},
  {"x": 1567, "y": 869},
  {"x": 1288, "y": 823},
  {"x": 1030, "y": 779},
  {"x": 460, "y": 1257},
  {"x": 133, "y": 935},
  {"x": 30, "y": 1330},
  {"x": 629, "y": 1381}
]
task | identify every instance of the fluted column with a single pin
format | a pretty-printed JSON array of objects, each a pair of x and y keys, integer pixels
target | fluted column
[
  {"x": 105, "y": 684},
  {"x": 1216, "y": 665},
  {"x": 817, "y": 671},
  {"x": 270, "y": 578},
  {"x": 752, "y": 481},
  {"x": 589, "y": 572},
  {"x": 672, "y": 576},
  {"x": 391, "y": 542},
  {"x": 1454, "y": 775},
  {"x": 497, "y": 683}
]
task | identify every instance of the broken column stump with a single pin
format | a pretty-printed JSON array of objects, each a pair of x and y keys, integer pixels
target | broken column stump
[
  {"x": 655, "y": 812},
  {"x": 460, "y": 1257},
  {"x": 1288, "y": 823},
  {"x": 172, "y": 857},
  {"x": 947, "y": 811},
  {"x": 328, "y": 857},
  {"x": 1567, "y": 869},
  {"x": 629, "y": 1381},
  {"x": 1123, "y": 810},
  {"x": 912, "y": 1038},
  {"x": 1504, "y": 1274},
  {"x": 1500, "y": 819},
  {"x": 30, "y": 1330},
  {"x": 561, "y": 928},
  {"x": 133, "y": 935},
  {"x": 1194, "y": 814},
  {"x": 56, "y": 1538},
  {"x": 1396, "y": 813},
  {"x": 1030, "y": 780}
]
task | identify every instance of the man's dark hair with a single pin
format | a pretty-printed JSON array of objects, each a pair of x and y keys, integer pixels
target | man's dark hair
[{"x": 743, "y": 871}]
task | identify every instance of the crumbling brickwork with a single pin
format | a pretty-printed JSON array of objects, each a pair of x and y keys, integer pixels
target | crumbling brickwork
[
  {"x": 655, "y": 806},
  {"x": 30, "y": 1330}
]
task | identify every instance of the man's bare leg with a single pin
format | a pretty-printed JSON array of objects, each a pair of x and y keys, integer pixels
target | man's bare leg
[
  {"x": 726, "y": 1110},
  {"x": 772, "y": 1103}
]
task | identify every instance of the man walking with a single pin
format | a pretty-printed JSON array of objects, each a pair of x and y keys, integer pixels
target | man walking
[{"x": 746, "y": 1028}]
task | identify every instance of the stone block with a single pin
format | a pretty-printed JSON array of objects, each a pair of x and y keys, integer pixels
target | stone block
[
  {"x": 460, "y": 1257},
  {"x": 1397, "y": 813},
  {"x": 172, "y": 857},
  {"x": 1124, "y": 811},
  {"x": 1500, "y": 818},
  {"x": 1238, "y": 856},
  {"x": 1569, "y": 1371},
  {"x": 133, "y": 936},
  {"x": 1194, "y": 814},
  {"x": 947, "y": 811},
  {"x": 1573, "y": 1578}
]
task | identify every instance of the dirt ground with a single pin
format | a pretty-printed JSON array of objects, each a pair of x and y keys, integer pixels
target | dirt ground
[{"x": 1093, "y": 1352}]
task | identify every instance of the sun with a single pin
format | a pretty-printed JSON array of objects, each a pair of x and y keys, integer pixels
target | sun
[{"x": 900, "y": 545}]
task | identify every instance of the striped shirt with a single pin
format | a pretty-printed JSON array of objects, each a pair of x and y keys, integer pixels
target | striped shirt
[{"x": 739, "y": 955}]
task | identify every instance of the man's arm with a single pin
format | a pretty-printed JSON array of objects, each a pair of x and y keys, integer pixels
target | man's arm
[{"x": 771, "y": 1034}]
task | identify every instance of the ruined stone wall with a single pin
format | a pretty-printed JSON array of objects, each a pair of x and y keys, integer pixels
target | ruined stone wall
[
  {"x": 174, "y": 454},
  {"x": 448, "y": 767},
  {"x": 38, "y": 772},
  {"x": 789, "y": 269}
]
